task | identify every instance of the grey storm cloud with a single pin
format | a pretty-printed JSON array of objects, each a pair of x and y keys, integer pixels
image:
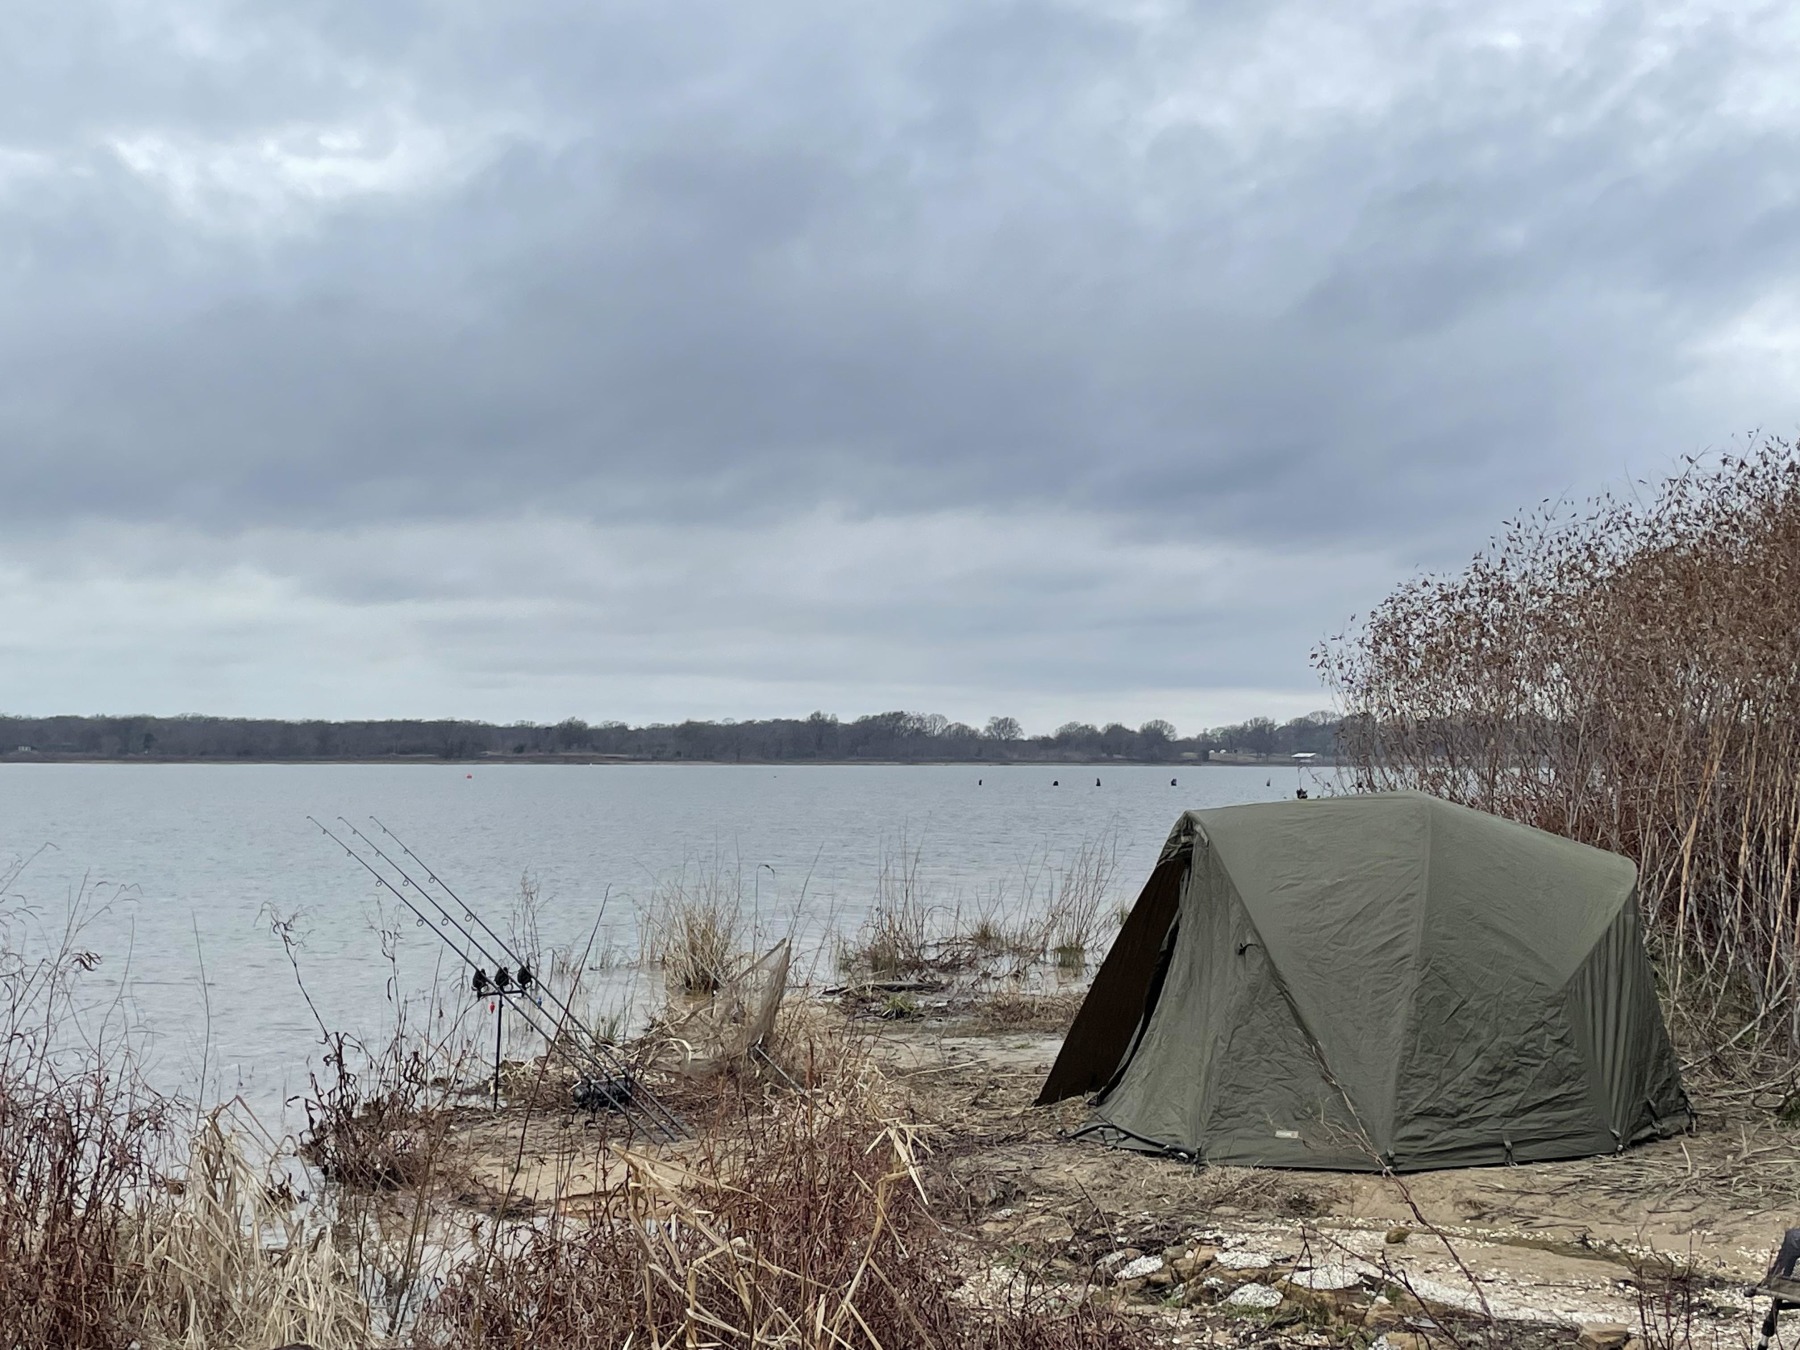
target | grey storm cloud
[{"x": 1351, "y": 282}]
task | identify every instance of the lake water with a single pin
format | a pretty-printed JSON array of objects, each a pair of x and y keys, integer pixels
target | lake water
[{"x": 184, "y": 866}]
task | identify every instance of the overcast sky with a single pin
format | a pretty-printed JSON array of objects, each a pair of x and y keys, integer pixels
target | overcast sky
[{"x": 527, "y": 360}]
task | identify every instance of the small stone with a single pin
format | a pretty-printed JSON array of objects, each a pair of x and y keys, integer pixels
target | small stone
[
  {"x": 1604, "y": 1336},
  {"x": 1405, "y": 1340},
  {"x": 1246, "y": 1258},
  {"x": 1634, "y": 1344},
  {"x": 1260, "y": 1296},
  {"x": 1113, "y": 1260},
  {"x": 1160, "y": 1278},
  {"x": 1141, "y": 1268},
  {"x": 1395, "y": 1236}
]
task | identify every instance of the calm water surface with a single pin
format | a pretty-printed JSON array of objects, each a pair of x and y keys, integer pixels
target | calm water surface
[{"x": 184, "y": 865}]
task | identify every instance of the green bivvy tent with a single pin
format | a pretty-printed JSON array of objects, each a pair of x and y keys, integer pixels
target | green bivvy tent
[{"x": 1376, "y": 981}]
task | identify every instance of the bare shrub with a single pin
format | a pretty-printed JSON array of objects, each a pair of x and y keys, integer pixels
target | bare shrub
[
  {"x": 1671, "y": 1303},
  {"x": 75, "y": 1151},
  {"x": 81, "y": 1139},
  {"x": 374, "y": 1127},
  {"x": 112, "y": 1230},
  {"x": 1627, "y": 675}
]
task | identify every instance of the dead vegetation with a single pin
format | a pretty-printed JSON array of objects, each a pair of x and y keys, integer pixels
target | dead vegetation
[
  {"x": 117, "y": 1225},
  {"x": 1626, "y": 675},
  {"x": 1017, "y": 1010},
  {"x": 806, "y": 1227},
  {"x": 1059, "y": 908}
]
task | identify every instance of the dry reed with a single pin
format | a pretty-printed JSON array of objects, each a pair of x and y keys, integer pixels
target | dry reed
[
  {"x": 1627, "y": 675},
  {"x": 806, "y": 1227}
]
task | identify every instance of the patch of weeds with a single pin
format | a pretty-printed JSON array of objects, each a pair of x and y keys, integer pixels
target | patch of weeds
[
  {"x": 1011, "y": 1010},
  {"x": 899, "y": 1008}
]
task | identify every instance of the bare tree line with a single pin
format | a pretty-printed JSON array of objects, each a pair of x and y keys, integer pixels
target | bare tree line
[{"x": 821, "y": 737}]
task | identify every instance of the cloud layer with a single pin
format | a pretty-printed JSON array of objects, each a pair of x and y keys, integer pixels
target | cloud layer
[{"x": 635, "y": 360}]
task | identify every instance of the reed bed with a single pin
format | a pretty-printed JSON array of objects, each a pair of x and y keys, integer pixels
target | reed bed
[
  {"x": 1058, "y": 908},
  {"x": 1627, "y": 674},
  {"x": 124, "y": 1218},
  {"x": 232, "y": 1259},
  {"x": 697, "y": 926}
]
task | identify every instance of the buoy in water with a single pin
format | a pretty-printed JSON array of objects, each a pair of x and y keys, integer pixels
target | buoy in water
[
  {"x": 1096, "y": 782},
  {"x": 1055, "y": 782},
  {"x": 1171, "y": 782}
]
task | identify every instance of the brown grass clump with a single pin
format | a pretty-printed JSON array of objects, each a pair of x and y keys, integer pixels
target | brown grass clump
[
  {"x": 232, "y": 1260},
  {"x": 112, "y": 1232},
  {"x": 1629, "y": 676},
  {"x": 697, "y": 928},
  {"x": 1015, "y": 1010},
  {"x": 806, "y": 1228},
  {"x": 380, "y": 1129}
]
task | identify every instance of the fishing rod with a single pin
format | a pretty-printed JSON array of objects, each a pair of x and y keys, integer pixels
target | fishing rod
[
  {"x": 444, "y": 886},
  {"x": 468, "y": 910},
  {"x": 666, "y": 1120},
  {"x": 524, "y": 1008},
  {"x": 654, "y": 1111},
  {"x": 527, "y": 1010}
]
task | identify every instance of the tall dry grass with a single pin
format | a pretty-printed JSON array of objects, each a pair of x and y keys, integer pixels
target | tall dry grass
[
  {"x": 233, "y": 1258},
  {"x": 697, "y": 926},
  {"x": 117, "y": 1226},
  {"x": 805, "y": 1227},
  {"x": 1057, "y": 906},
  {"x": 1627, "y": 674}
]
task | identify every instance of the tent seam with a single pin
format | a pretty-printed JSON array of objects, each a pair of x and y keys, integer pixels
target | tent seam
[{"x": 1409, "y": 1025}]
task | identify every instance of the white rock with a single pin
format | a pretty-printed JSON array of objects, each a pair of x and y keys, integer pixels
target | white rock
[
  {"x": 1136, "y": 1270},
  {"x": 1245, "y": 1258},
  {"x": 1253, "y": 1296},
  {"x": 1341, "y": 1275}
]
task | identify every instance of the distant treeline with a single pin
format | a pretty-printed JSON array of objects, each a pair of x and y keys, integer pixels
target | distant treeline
[{"x": 882, "y": 736}]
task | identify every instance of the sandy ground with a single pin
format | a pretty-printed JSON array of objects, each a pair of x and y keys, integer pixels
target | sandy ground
[
  {"x": 1552, "y": 1242},
  {"x": 1549, "y": 1244}
]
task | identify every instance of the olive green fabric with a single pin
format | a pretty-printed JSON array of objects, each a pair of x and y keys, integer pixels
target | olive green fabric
[{"x": 1376, "y": 981}]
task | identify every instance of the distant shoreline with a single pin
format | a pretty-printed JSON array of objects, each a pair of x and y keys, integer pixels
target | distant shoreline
[{"x": 497, "y": 761}]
